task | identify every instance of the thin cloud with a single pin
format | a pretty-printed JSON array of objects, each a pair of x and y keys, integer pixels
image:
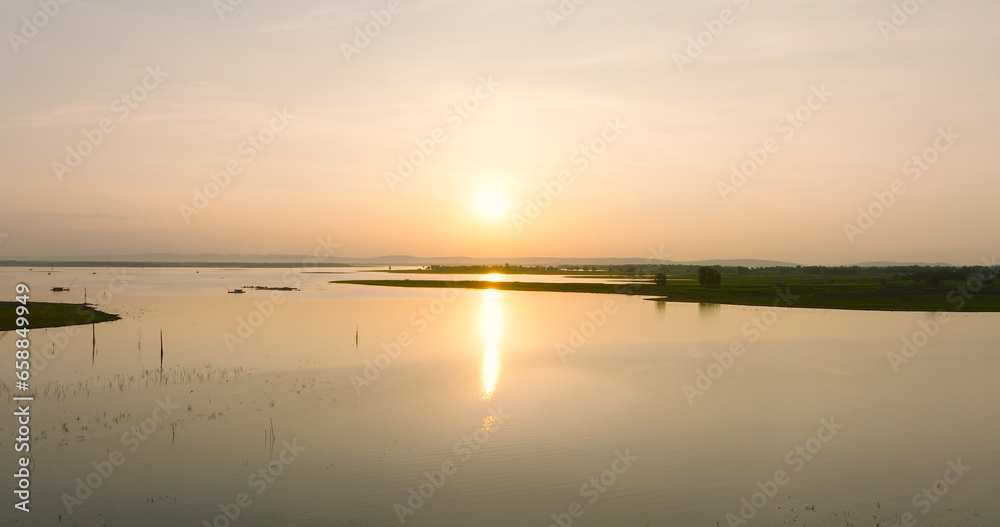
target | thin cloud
[{"x": 328, "y": 16}]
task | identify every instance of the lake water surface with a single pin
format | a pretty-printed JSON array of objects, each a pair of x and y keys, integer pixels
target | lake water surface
[{"x": 493, "y": 408}]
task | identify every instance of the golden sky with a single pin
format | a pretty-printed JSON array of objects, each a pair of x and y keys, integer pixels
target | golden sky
[{"x": 531, "y": 128}]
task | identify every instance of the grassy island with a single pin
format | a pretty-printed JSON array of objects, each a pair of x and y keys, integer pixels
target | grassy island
[
  {"x": 51, "y": 315},
  {"x": 900, "y": 288}
]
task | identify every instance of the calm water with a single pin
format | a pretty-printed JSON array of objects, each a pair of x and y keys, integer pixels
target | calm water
[{"x": 502, "y": 408}]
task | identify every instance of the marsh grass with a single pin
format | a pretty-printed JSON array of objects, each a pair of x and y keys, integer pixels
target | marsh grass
[{"x": 61, "y": 390}]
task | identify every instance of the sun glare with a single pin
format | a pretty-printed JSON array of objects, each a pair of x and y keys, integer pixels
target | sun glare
[
  {"x": 490, "y": 373},
  {"x": 492, "y": 205}
]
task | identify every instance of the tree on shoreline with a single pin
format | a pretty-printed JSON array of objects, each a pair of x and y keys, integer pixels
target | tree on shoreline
[{"x": 709, "y": 276}]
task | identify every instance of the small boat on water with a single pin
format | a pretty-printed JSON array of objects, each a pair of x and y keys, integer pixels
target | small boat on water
[
  {"x": 233, "y": 291},
  {"x": 59, "y": 289}
]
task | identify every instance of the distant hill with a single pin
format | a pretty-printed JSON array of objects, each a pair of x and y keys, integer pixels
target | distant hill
[
  {"x": 744, "y": 263},
  {"x": 398, "y": 259},
  {"x": 279, "y": 260},
  {"x": 901, "y": 264}
]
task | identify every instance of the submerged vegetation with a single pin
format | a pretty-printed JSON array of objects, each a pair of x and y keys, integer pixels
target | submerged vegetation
[
  {"x": 900, "y": 288},
  {"x": 147, "y": 377},
  {"x": 52, "y": 315}
]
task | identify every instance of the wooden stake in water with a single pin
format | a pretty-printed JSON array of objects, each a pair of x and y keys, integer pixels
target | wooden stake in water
[
  {"x": 269, "y": 437},
  {"x": 161, "y": 353},
  {"x": 93, "y": 344},
  {"x": 272, "y": 436}
]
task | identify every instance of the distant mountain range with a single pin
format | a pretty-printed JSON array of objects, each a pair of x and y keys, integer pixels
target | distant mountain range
[
  {"x": 902, "y": 264},
  {"x": 398, "y": 259}
]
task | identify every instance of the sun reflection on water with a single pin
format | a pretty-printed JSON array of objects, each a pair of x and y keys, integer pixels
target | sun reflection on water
[{"x": 490, "y": 373}]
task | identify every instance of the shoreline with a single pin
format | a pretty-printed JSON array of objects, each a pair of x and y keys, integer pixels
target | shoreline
[{"x": 852, "y": 297}]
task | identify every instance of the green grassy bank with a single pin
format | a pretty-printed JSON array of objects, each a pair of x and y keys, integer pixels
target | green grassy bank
[{"x": 51, "y": 315}]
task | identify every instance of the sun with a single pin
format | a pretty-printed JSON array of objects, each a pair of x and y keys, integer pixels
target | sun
[{"x": 492, "y": 205}]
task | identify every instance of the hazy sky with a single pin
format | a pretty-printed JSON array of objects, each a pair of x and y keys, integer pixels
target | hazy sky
[{"x": 333, "y": 112}]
